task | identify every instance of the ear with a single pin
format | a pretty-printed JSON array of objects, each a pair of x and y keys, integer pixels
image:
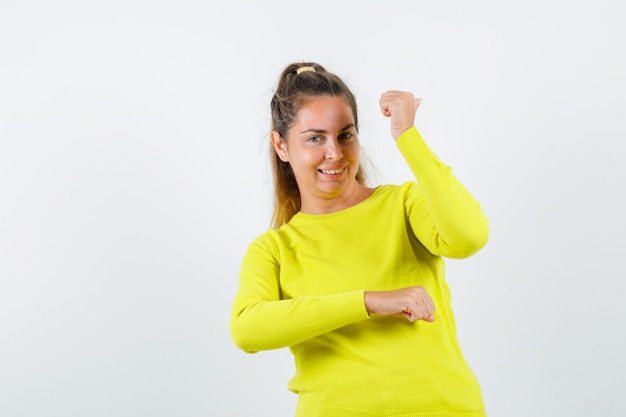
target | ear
[{"x": 280, "y": 146}]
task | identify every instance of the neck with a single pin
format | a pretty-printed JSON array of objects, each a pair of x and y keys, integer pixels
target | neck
[{"x": 355, "y": 195}]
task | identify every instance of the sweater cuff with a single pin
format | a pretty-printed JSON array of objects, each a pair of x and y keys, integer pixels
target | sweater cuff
[
  {"x": 418, "y": 155},
  {"x": 343, "y": 309}
]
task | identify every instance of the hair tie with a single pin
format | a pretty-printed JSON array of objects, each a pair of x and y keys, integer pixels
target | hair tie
[{"x": 304, "y": 69}]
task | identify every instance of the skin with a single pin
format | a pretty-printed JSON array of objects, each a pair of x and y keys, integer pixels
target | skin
[{"x": 323, "y": 149}]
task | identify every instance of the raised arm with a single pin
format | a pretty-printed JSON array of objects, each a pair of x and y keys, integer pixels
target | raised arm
[{"x": 444, "y": 216}]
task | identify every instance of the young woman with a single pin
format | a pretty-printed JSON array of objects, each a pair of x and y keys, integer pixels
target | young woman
[{"x": 351, "y": 278}]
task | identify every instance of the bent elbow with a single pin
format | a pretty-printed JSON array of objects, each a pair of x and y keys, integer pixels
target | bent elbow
[
  {"x": 241, "y": 335},
  {"x": 470, "y": 243},
  {"x": 243, "y": 344},
  {"x": 475, "y": 243}
]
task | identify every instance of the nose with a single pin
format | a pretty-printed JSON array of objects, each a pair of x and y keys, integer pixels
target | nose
[{"x": 333, "y": 149}]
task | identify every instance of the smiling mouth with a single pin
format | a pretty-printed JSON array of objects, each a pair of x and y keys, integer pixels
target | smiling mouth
[{"x": 332, "y": 171}]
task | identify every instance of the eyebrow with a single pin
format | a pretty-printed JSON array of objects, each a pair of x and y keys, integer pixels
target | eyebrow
[{"x": 346, "y": 127}]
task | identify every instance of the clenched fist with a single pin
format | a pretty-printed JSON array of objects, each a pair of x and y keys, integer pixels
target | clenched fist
[
  {"x": 401, "y": 107},
  {"x": 414, "y": 303}
]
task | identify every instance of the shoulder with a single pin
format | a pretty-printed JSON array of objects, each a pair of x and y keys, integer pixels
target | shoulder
[
  {"x": 395, "y": 196},
  {"x": 265, "y": 243},
  {"x": 389, "y": 191}
]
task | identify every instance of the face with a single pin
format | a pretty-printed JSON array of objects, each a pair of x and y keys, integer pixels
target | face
[{"x": 323, "y": 149}]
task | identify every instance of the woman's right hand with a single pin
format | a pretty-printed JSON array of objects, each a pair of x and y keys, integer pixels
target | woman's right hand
[{"x": 414, "y": 303}]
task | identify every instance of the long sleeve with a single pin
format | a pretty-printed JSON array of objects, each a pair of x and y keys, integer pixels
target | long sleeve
[
  {"x": 444, "y": 216},
  {"x": 262, "y": 320},
  {"x": 307, "y": 279},
  {"x": 302, "y": 286}
]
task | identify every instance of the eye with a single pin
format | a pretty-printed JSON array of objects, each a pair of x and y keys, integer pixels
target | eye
[
  {"x": 315, "y": 139},
  {"x": 345, "y": 136}
]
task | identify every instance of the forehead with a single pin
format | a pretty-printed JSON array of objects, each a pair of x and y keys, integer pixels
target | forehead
[{"x": 324, "y": 110}]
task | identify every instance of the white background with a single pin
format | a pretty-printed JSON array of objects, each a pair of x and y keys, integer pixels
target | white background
[{"x": 133, "y": 173}]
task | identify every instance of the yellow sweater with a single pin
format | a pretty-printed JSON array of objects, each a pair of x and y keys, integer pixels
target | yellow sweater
[{"x": 302, "y": 286}]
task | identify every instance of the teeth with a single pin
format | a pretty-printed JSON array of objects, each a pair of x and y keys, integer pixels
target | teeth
[{"x": 331, "y": 171}]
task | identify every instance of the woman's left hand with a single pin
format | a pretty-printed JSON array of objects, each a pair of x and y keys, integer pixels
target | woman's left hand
[{"x": 401, "y": 107}]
